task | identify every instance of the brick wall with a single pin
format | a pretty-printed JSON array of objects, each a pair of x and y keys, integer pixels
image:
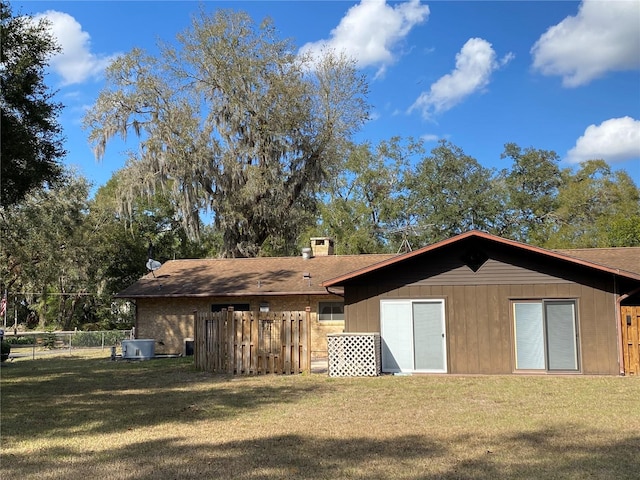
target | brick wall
[{"x": 169, "y": 321}]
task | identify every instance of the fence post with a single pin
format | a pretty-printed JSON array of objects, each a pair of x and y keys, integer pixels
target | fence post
[
  {"x": 196, "y": 340},
  {"x": 238, "y": 343},
  {"x": 307, "y": 347},
  {"x": 230, "y": 338}
]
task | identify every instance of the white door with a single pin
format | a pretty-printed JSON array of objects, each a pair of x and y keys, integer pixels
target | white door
[{"x": 413, "y": 336}]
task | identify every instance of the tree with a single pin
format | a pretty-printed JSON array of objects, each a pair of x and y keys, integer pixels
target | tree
[
  {"x": 45, "y": 252},
  {"x": 451, "y": 193},
  {"x": 31, "y": 136},
  {"x": 123, "y": 241},
  {"x": 530, "y": 188},
  {"x": 235, "y": 123},
  {"x": 121, "y": 246},
  {"x": 364, "y": 206},
  {"x": 596, "y": 208}
]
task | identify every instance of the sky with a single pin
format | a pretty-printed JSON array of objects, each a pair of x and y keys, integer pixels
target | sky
[{"x": 551, "y": 75}]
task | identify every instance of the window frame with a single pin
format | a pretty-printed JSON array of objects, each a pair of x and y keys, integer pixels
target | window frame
[
  {"x": 544, "y": 303},
  {"x": 332, "y": 303}
]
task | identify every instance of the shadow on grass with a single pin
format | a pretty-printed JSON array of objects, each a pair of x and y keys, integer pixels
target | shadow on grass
[
  {"x": 49, "y": 398},
  {"x": 408, "y": 457},
  {"x": 58, "y": 405}
]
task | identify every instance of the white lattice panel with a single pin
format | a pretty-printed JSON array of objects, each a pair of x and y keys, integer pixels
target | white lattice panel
[{"x": 354, "y": 354}]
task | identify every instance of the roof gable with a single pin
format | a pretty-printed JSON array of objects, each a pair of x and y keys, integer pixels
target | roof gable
[{"x": 473, "y": 257}]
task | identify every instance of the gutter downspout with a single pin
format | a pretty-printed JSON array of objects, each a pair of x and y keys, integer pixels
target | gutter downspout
[{"x": 619, "y": 301}]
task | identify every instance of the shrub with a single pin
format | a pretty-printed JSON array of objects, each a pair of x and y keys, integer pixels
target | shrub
[
  {"x": 20, "y": 340},
  {"x": 49, "y": 340}
]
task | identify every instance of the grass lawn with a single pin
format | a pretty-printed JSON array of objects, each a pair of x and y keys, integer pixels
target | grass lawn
[{"x": 77, "y": 417}]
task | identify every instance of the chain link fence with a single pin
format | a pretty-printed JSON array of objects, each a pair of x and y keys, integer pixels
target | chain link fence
[{"x": 45, "y": 343}]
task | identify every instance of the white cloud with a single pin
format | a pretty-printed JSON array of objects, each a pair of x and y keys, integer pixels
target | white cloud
[
  {"x": 475, "y": 63},
  {"x": 614, "y": 140},
  {"x": 371, "y": 31},
  {"x": 431, "y": 137},
  {"x": 602, "y": 37},
  {"x": 76, "y": 63}
]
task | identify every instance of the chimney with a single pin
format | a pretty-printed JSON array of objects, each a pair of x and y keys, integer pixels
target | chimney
[{"x": 321, "y": 246}]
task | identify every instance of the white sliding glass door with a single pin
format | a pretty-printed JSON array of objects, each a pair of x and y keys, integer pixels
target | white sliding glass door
[
  {"x": 546, "y": 335},
  {"x": 413, "y": 336}
]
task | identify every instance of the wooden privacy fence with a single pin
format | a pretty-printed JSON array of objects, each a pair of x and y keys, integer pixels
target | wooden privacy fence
[
  {"x": 245, "y": 343},
  {"x": 631, "y": 339}
]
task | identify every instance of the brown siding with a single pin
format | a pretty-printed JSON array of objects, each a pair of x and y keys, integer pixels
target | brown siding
[
  {"x": 491, "y": 273},
  {"x": 170, "y": 320},
  {"x": 479, "y": 321}
]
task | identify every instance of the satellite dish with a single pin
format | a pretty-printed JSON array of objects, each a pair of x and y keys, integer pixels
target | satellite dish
[{"x": 153, "y": 265}]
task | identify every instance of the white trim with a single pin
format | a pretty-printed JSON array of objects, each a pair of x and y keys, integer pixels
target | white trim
[{"x": 409, "y": 302}]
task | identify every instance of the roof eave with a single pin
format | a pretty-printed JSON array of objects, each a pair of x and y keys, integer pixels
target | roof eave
[
  {"x": 337, "y": 281},
  {"x": 218, "y": 294}
]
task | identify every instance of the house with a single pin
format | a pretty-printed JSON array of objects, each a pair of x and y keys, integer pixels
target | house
[
  {"x": 481, "y": 304},
  {"x": 167, "y": 297}
]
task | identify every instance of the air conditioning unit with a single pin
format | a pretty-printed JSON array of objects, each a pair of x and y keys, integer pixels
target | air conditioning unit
[{"x": 139, "y": 349}]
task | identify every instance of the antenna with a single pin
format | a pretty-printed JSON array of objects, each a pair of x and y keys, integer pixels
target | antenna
[{"x": 406, "y": 230}]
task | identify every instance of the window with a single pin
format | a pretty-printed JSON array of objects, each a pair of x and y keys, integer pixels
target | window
[
  {"x": 330, "y": 311},
  {"x": 238, "y": 307},
  {"x": 545, "y": 335}
]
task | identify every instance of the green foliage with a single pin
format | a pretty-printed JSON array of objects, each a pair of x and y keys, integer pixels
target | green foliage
[
  {"x": 531, "y": 188},
  {"x": 45, "y": 248},
  {"x": 621, "y": 230},
  {"x": 99, "y": 338},
  {"x": 123, "y": 238},
  {"x": 451, "y": 193},
  {"x": 233, "y": 122},
  {"x": 365, "y": 202},
  {"x": 382, "y": 199},
  {"x": 49, "y": 340},
  {"x": 596, "y": 208},
  {"x": 19, "y": 340},
  {"x": 31, "y": 136}
]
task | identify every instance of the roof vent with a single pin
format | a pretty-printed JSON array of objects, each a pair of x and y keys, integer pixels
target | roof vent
[
  {"x": 307, "y": 253},
  {"x": 474, "y": 259}
]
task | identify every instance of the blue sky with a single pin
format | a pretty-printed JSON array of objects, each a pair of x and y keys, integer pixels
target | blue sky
[{"x": 562, "y": 76}]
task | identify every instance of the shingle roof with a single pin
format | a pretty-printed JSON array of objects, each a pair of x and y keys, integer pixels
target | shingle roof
[
  {"x": 624, "y": 258},
  {"x": 246, "y": 276}
]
